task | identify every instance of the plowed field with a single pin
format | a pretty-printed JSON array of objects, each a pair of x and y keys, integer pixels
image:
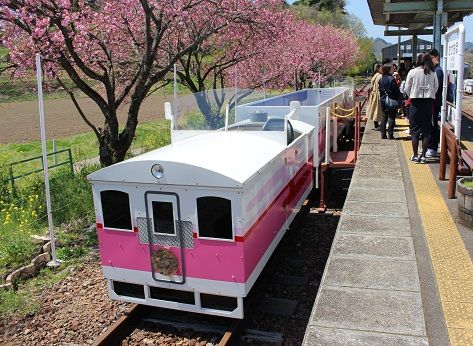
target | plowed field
[{"x": 19, "y": 121}]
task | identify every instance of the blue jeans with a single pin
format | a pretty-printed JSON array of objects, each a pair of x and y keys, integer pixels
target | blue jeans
[{"x": 389, "y": 117}]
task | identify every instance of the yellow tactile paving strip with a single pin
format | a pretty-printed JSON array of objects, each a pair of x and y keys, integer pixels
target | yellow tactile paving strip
[
  {"x": 451, "y": 262},
  {"x": 466, "y": 144}
]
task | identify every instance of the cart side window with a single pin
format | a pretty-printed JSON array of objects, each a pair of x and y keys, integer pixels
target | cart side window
[
  {"x": 163, "y": 218},
  {"x": 116, "y": 209},
  {"x": 215, "y": 217}
]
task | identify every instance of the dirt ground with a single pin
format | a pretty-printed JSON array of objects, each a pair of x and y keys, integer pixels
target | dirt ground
[{"x": 19, "y": 121}]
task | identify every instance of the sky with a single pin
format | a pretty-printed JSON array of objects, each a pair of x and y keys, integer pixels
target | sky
[{"x": 360, "y": 9}]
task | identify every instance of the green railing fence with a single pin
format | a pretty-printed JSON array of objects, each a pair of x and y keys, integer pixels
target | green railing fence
[{"x": 12, "y": 177}]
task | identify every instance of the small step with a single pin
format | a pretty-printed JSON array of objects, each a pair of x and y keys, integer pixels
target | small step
[{"x": 258, "y": 336}]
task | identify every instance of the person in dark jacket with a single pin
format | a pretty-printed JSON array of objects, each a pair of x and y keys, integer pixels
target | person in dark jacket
[
  {"x": 435, "y": 134},
  {"x": 388, "y": 88}
]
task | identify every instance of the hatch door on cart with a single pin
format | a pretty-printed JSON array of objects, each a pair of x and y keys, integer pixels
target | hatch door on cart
[{"x": 167, "y": 236}]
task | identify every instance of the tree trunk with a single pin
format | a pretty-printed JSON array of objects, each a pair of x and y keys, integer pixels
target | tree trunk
[{"x": 111, "y": 153}]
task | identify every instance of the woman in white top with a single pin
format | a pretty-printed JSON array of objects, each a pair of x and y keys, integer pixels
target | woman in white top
[{"x": 421, "y": 86}]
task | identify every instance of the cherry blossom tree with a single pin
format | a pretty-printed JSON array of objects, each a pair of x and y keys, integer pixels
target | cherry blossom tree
[
  {"x": 210, "y": 65},
  {"x": 271, "y": 54},
  {"x": 306, "y": 52},
  {"x": 115, "y": 51}
]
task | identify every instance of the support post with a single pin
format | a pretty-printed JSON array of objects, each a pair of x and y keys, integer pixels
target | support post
[
  {"x": 443, "y": 111},
  {"x": 357, "y": 130},
  {"x": 438, "y": 26},
  {"x": 443, "y": 153},
  {"x": 12, "y": 180},
  {"x": 327, "y": 135},
  {"x": 175, "y": 90},
  {"x": 399, "y": 50},
  {"x": 414, "y": 49},
  {"x": 452, "y": 177},
  {"x": 71, "y": 164},
  {"x": 54, "y": 262},
  {"x": 54, "y": 151},
  {"x": 459, "y": 96},
  {"x": 335, "y": 134},
  {"x": 323, "y": 187}
]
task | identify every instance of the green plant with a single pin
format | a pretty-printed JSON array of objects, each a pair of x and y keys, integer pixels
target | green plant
[
  {"x": 153, "y": 135},
  {"x": 195, "y": 121},
  {"x": 71, "y": 195},
  {"x": 468, "y": 184},
  {"x": 16, "y": 303},
  {"x": 18, "y": 221},
  {"x": 24, "y": 301}
]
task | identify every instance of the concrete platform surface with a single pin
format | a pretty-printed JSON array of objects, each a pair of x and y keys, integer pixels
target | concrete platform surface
[{"x": 370, "y": 293}]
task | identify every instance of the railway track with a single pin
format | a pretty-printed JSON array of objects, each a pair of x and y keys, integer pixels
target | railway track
[{"x": 265, "y": 307}]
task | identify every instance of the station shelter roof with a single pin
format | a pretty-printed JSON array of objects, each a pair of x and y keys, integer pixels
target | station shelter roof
[{"x": 416, "y": 16}]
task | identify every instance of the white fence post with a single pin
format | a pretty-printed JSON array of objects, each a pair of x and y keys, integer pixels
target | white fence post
[
  {"x": 335, "y": 133},
  {"x": 327, "y": 135}
]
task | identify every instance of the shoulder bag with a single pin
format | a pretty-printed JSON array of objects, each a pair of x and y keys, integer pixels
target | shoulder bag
[{"x": 390, "y": 103}]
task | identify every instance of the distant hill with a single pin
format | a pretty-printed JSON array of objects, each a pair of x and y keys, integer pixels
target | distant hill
[
  {"x": 379, "y": 44},
  {"x": 468, "y": 45}
]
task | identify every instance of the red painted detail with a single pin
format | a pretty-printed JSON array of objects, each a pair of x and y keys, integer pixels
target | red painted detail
[
  {"x": 99, "y": 225},
  {"x": 300, "y": 177},
  {"x": 194, "y": 235},
  {"x": 239, "y": 239},
  {"x": 135, "y": 229}
]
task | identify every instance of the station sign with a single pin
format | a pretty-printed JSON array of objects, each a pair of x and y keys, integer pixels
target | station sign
[
  {"x": 453, "y": 60},
  {"x": 453, "y": 57}
]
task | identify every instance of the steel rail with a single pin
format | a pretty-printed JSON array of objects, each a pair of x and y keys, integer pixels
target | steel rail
[{"x": 121, "y": 328}]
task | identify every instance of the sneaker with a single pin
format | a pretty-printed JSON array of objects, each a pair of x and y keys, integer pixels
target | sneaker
[
  {"x": 422, "y": 160},
  {"x": 414, "y": 159},
  {"x": 431, "y": 153}
]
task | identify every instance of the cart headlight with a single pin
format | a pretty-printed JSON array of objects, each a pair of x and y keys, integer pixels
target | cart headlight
[{"x": 157, "y": 171}]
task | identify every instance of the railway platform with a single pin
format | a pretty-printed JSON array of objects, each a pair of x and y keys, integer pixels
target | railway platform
[{"x": 400, "y": 269}]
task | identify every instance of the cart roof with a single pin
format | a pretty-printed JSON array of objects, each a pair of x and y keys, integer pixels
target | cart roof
[{"x": 223, "y": 159}]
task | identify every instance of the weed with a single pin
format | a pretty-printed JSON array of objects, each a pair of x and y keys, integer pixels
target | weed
[
  {"x": 16, "y": 303},
  {"x": 71, "y": 195},
  {"x": 22, "y": 302},
  {"x": 153, "y": 135},
  {"x": 17, "y": 223}
]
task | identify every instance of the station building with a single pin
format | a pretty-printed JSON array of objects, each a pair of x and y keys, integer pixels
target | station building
[{"x": 406, "y": 49}]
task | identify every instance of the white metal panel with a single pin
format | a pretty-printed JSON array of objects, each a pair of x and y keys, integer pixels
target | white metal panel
[{"x": 221, "y": 159}]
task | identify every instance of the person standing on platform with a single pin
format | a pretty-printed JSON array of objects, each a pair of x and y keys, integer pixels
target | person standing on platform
[
  {"x": 389, "y": 91},
  {"x": 373, "y": 110},
  {"x": 421, "y": 87},
  {"x": 435, "y": 138}
]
